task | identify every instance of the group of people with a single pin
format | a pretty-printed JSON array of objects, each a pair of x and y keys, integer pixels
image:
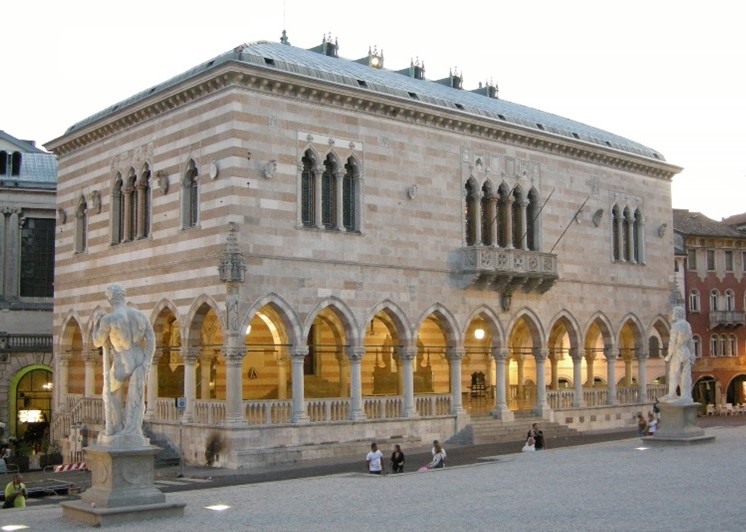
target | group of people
[
  {"x": 647, "y": 427},
  {"x": 534, "y": 439},
  {"x": 374, "y": 459}
]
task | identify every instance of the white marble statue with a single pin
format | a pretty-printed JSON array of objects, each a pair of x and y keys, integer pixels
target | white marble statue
[
  {"x": 128, "y": 342},
  {"x": 680, "y": 355}
]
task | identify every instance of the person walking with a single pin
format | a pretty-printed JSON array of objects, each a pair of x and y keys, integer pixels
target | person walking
[
  {"x": 374, "y": 460},
  {"x": 397, "y": 460}
]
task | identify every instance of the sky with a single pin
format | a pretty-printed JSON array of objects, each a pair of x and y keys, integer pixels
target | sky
[{"x": 667, "y": 74}]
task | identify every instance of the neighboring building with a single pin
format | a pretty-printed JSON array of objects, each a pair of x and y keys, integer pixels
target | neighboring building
[
  {"x": 711, "y": 261},
  {"x": 331, "y": 252},
  {"x": 28, "y": 179}
]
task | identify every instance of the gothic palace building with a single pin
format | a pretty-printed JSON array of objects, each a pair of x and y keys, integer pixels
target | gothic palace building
[{"x": 332, "y": 252}]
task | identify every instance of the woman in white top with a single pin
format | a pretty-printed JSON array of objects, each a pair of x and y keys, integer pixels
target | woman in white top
[{"x": 652, "y": 424}]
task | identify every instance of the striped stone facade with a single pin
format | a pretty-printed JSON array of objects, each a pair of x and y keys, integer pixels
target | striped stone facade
[{"x": 388, "y": 309}]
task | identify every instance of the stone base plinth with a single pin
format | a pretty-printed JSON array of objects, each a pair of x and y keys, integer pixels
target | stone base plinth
[
  {"x": 678, "y": 425},
  {"x": 95, "y": 516},
  {"x": 123, "y": 487}
]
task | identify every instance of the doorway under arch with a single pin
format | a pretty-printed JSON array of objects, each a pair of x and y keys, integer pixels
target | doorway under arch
[{"x": 30, "y": 402}]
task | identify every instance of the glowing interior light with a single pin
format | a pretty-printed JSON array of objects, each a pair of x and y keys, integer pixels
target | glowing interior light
[
  {"x": 248, "y": 329},
  {"x": 479, "y": 334}
]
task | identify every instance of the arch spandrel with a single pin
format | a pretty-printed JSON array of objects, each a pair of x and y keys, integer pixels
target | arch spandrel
[
  {"x": 397, "y": 316},
  {"x": 451, "y": 330},
  {"x": 599, "y": 322},
  {"x": 287, "y": 316},
  {"x": 342, "y": 311},
  {"x": 532, "y": 321},
  {"x": 566, "y": 320}
]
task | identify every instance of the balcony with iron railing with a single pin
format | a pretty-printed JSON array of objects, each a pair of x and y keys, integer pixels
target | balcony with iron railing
[
  {"x": 507, "y": 270},
  {"x": 726, "y": 319}
]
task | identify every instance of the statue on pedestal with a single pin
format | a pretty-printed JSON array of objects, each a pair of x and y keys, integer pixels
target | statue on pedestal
[
  {"x": 128, "y": 343},
  {"x": 680, "y": 355}
]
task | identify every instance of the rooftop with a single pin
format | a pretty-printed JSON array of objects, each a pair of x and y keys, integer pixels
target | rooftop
[{"x": 697, "y": 224}]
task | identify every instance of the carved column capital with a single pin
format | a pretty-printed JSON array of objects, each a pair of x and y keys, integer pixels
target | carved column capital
[
  {"x": 355, "y": 354},
  {"x": 233, "y": 354},
  {"x": 407, "y": 353},
  {"x": 541, "y": 354},
  {"x": 455, "y": 353},
  {"x": 577, "y": 355},
  {"x": 190, "y": 355},
  {"x": 299, "y": 353},
  {"x": 642, "y": 354},
  {"x": 502, "y": 353},
  {"x": 91, "y": 357}
]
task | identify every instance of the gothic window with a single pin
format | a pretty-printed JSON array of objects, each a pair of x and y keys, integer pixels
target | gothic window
[
  {"x": 730, "y": 300},
  {"x": 81, "y": 226},
  {"x": 723, "y": 350},
  {"x": 638, "y": 238},
  {"x": 733, "y": 345},
  {"x": 626, "y": 235},
  {"x": 329, "y": 193},
  {"x": 308, "y": 190},
  {"x": 129, "y": 206},
  {"x": 694, "y": 300},
  {"x": 351, "y": 195},
  {"x": 190, "y": 196},
  {"x": 142, "y": 204},
  {"x": 504, "y": 216},
  {"x": 37, "y": 257},
  {"x": 471, "y": 210},
  {"x": 714, "y": 296},
  {"x": 713, "y": 346},
  {"x": 117, "y": 210},
  {"x": 697, "y": 345},
  {"x": 516, "y": 215}
]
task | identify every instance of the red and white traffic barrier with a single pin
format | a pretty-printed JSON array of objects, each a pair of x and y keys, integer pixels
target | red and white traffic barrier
[{"x": 77, "y": 466}]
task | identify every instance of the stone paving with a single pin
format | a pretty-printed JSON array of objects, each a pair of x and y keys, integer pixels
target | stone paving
[{"x": 615, "y": 485}]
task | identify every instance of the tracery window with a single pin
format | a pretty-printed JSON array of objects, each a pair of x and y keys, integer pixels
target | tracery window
[
  {"x": 627, "y": 235},
  {"x": 351, "y": 195},
  {"x": 730, "y": 300},
  {"x": 308, "y": 189},
  {"x": 117, "y": 210},
  {"x": 330, "y": 195}
]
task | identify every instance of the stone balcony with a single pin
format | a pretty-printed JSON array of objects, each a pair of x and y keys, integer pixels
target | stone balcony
[
  {"x": 507, "y": 270},
  {"x": 726, "y": 319}
]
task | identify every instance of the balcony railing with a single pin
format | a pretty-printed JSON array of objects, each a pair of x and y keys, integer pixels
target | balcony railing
[
  {"x": 18, "y": 343},
  {"x": 729, "y": 319},
  {"x": 507, "y": 270}
]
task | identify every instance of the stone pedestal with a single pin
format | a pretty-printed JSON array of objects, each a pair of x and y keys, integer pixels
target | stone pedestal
[
  {"x": 678, "y": 425},
  {"x": 123, "y": 487}
]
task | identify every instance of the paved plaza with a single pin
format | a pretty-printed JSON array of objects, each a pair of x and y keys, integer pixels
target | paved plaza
[{"x": 616, "y": 485}]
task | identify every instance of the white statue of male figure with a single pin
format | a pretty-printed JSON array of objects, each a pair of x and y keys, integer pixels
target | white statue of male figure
[
  {"x": 128, "y": 342},
  {"x": 681, "y": 354}
]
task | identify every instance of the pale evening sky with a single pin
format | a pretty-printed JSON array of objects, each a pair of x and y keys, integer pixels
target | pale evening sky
[{"x": 665, "y": 74}]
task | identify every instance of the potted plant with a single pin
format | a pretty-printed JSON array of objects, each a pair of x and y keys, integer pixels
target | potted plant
[{"x": 52, "y": 453}]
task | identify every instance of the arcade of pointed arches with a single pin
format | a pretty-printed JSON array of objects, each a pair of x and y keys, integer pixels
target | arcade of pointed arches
[{"x": 267, "y": 365}]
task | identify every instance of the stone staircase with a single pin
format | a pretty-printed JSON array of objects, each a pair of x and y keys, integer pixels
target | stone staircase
[
  {"x": 168, "y": 455},
  {"x": 486, "y": 429}
]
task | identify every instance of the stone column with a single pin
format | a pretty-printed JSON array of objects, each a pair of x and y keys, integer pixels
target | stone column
[
  {"x": 610, "y": 375},
  {"x": 620, "y": 240},
  {"x": 455, "y": 355},
  {"x": 642, "y": 374},
  {"x": 355, "y": 355},
  {"x": 317, "y": 193},
  {"x": 152, "y": 402},
  {"x": 407, "y": 355},
  {"x": 339, "y": 187},
  {"x": 298, "y": 355},
  {"x": 628, "y": 370},
  {"x": 477, "y": 217},
  {"x": 542, "y": 407},
  {"x": 344, "y": 374},
  {"x": 234, "y": 353},
  {"x": 90, "y": 359},
  {"x": 520, "y": 363},
  {"x": 205, "y": 361},
  {"x": 128, "y": 190},
  {"x": 12, "y": 256},
  {"x": 61, "y": 377},
  {"x": 577, "y": 377},
  {"x": 189, "y": 356},
  {"x": 508, "y": 222},
  {"x": 522, "y": 204},
  {"x": 501, "y": 406},
  {"x": 492, "y": 213},
  {"x": 141, "y": 188},
  {"x": 282, "y": 375}
]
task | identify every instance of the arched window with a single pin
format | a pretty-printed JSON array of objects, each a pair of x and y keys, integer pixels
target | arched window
[
  {"x": 190, "y": 196},
  {"x": 519, "y": 204},
  {"x": 117, "y": 211},
  {"x": 129, "y": 206},
  {"x": 730, "y": 300},
  {"x": 504, "y": 216},
  {"x": 15, "y": 167},
  {"x": 713, "y": 346},
  {"x": 638, "y": 235},
  {"x": 308, "y": 190},
  {"x": 697, "y": 341},
  {"x": 714, "y": 296},
  {"x": 351, "y": 195},
  {"x": 471, "y": 208},
  {"x": 694, "y": 300},
  {"x": 627, "y": 235},
  {"x": 733, "y": 345},
  {"x": 723, "y": 349},
  {"x": 81, "y": 223}
]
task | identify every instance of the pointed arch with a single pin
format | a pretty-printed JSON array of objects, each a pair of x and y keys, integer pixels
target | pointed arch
[
  {"x": 117, "y": 213},
  {"x": 491, "y": 320},
  {"x": 70, "y": 322},
  {"x": 290, "y": 320},
  {"x": 533, "y": 220},
  {"x": 452, "y": 331},
  {"x": 194, "y": 320},
  {"x": 190, "y": 195},
  {"x": 397, "y": 316},
  {"x": 330, "y": 191},
  {"x": 566, "y": 320},
  {"x": 81, "y": 225},
  {"x": 538, "y": 335},
  {"x": 472, "y": 218},
  {"x": 310, "y": 164},
  {"x": 488, "y": 213},
  {"x": 352, "y": 191},
  {"x": 599, "y": 325},
  {"x": 342, "y": 311}
]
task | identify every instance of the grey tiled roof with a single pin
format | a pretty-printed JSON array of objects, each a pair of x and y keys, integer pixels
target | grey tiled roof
[
  {"x": 308, "y": 64},
  {"x": 697, "y": 224},
  {"x": 38, "y": 168}
]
